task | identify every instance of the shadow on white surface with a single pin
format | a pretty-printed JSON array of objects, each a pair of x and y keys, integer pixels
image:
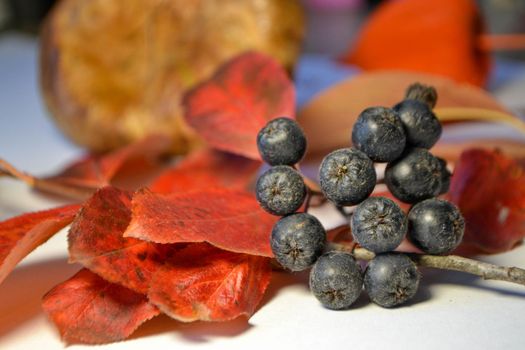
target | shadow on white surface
[
  {"x": 432, "y": 278},
  {"x": 21, "y": 293},
  {"x": 198, "y": 332}
]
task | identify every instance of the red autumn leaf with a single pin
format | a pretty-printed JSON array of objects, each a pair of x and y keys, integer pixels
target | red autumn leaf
[
  {"x": 80, "y": 179},
  {"x": 205, "y": 169},
  {"x": 229, "y": 109},
  {"x": 489, "y": 188},
  {"x": 205, "y": 283},
  {"x": 227, "y": 219},
  {"x": 20, "y": 235},
  {"x": 96, "y": 241},
  {"x": 87, "y": 309},
  {"x": 451, "y": 150},
  {"x": 431, "y": 36}
]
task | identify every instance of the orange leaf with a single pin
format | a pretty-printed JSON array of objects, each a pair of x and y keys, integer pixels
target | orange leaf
[
  {"x": 205, "y": 283},
  {"x": 229, "y": 109},
  {"x": 227, "y": 219},
  {"x": 20, "y": 235},
  {"x": 206, "y": 169},
  {"x": 431, "y": 36},
  {"x": 87, "y": 309},
  {"x": 334, "y": 113}
]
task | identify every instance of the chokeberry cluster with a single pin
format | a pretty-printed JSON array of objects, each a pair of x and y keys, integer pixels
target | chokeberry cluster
[
  {"x": 297, "y": 239},
  {"x": 400, "y": 136}
]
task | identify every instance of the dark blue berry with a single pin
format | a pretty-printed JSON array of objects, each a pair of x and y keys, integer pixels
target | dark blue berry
[
  {"x": 280, "y": 190},
  {"x": 281, "y": 142},
  {"x": 378, "y": 224},
  {"x": 391, "y": 279},
  {"x": 297, "y": 241},
  {"x": 422, "y": 93},
  {"x": 379, "y": 133},
  {"x": 422, "y": 128},
  {"x": 347, "y": 176},
  {"x": 336, "y": 280},
  {"x": 435, "y": 226},
  {"x": 417, "y": 175}
]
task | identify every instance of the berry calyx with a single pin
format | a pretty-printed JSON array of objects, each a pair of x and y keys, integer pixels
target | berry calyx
[
  {"x": 280, "y": 190},
  {"x": 378, "y": 224},
  {"x": 422, "y": 93},
  {"x": 297, "y": 241},
  {"x": 347, "y": 176},
  {"x": 336, "y": 280}
]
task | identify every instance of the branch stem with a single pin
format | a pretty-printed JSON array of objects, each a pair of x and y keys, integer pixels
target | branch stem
[{"x": 450, "y": 262}]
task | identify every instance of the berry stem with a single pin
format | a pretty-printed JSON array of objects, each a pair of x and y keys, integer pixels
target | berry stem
[
  {"x": 312, "y": 185},
  {"x": 46, "y": 186},
  {"x": 314, "y": 196},
  {"x": 308, "y": 199},
  {"x": 450, "y": 262},
  {"x": 343, "y": 212},
  {"x": 6, "y": 169}
]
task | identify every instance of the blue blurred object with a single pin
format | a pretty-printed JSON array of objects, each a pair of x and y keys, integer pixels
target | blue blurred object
[
  {"x": 315, "y": 73},
  {"x": 505, "y": 71}
]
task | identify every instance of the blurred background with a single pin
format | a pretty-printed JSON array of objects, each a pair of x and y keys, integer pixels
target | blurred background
[
  {"x": 478, "y": 42},
  {"x": 331, "y": 24}
]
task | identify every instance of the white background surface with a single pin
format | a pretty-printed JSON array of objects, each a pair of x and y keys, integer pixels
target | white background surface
[{"x": 451, "y": 310}]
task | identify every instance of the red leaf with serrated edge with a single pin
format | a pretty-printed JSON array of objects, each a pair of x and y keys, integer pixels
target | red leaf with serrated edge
[
  {"x": 229, "y": 109},
  {"x": 205, "y": 169},
  {"x": 489, "y": 189},
  {"x": 80, "y": 179},
  {"x": 205, "y": 283},
  {"x": 227, "y": 219},
  {"x": 96, "y": 241},
  {"x": 87, "y": 309},
  {"x": 20, "y": 235}
]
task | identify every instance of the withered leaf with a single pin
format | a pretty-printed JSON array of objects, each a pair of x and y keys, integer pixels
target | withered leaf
[{"x": 128, "y": 83}]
